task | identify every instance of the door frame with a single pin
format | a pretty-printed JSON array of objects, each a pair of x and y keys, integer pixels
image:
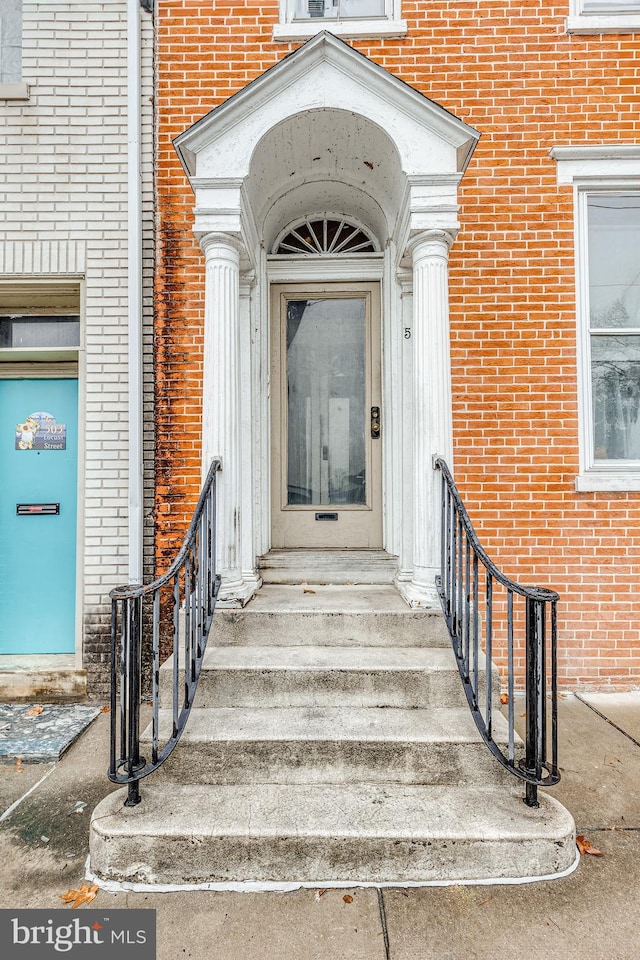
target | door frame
[{"x": 356, "y": 531}]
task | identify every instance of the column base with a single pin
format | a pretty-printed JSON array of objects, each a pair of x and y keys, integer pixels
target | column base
[
  {"x": 238, "y": 593},
  {"x": 419, "y": 595}
]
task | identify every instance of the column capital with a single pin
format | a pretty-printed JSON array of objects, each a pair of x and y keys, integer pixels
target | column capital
[
  {"x": 430, "y": 243},
  {"x": 225, "y": 245}
]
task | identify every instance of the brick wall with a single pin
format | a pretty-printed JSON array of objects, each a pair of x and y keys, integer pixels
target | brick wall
[
  {"x": 63, "y": 208},
  {"x": 511, "y": 71}
]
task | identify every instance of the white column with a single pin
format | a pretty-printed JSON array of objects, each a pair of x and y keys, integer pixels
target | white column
[
  {"x": 221, "y": 410},
  {"x": 432, "y": 423}
]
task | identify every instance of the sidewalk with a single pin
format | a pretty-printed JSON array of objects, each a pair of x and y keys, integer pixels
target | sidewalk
[{"x": 594, "y": 914}]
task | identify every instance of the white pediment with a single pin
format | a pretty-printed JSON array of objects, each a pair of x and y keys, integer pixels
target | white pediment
[{"x": 326, "y": 74}]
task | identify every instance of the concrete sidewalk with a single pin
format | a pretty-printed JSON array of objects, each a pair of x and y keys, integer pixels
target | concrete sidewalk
[{"x": 594, "y": 914}]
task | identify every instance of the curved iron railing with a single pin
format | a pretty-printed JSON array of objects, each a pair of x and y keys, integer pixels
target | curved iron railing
[
  {"x": 523, "y": 620},
  {"x": 177, "y": 610}
]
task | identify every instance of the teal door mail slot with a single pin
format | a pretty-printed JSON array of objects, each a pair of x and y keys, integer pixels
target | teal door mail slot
[{"x": 37, "y": 509}]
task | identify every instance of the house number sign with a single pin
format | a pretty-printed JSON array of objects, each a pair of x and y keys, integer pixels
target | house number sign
[{"x": 41, "y": 431}]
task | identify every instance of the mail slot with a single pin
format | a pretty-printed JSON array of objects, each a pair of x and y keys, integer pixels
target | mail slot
[
  {"x": 327, "y": 516},
  {"x": 37, "y": 509}
]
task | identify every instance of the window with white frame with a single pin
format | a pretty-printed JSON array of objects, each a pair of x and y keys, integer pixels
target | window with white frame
[
  {"x": 612, "y": 315},
  {"x": 10, "y": 41},
  {"x": 606, "y": 184},
  {"x": 603, "y": 16},
  {"x": 300, "y": 19}
]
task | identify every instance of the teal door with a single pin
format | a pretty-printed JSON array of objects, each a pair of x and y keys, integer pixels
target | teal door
[{"x": 38, "y": 506}]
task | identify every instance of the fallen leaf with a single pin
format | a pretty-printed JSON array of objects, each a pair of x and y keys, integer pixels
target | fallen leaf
[
  {"x": 348, "y": 898},
  {"x": 19, "y": 767},
  {"x": 504, "y": 698},
  {"x": 308, "y": 591},
  {"x": 106, "y": 709},
  {"x": 85, "y": 894},
  {"x": 319, "y": 893},
  {"x": 584, "y": 846},
  {"x": 34, "y": 712},
  {"x": 479, "y": 903}
]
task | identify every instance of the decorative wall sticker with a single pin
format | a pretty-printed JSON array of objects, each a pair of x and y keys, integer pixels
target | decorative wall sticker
[{"x": 41, "y": 431}]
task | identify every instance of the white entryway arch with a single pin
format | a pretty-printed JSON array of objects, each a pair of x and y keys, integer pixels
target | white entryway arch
[{"x": 327, "y": 132}]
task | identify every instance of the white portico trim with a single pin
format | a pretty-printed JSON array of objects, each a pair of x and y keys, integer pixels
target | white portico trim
[{"x": 327, "y": 132}]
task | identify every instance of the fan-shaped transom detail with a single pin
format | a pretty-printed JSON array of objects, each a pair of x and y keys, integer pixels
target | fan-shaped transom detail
[{"x": 324, "y": 235}]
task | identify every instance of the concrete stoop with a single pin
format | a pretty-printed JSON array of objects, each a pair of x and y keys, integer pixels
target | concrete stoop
[{"x": 330, "y": 741}]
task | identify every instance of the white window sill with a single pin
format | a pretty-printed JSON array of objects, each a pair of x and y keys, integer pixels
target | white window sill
[
  {"x": 304, "y": 29},
  {"x": 14, "y": 91},
  {"x": 592, "y": 24},
  {"x": 610, "y": 482}
]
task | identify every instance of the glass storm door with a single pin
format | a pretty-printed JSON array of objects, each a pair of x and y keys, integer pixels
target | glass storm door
[{"x": 326, "y": 416}]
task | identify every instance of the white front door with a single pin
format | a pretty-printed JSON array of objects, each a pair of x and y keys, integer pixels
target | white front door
[{"x": 326, "y": 416}]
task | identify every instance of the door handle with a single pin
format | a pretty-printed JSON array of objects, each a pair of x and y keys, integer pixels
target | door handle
[{"x": 375, "y": 423}]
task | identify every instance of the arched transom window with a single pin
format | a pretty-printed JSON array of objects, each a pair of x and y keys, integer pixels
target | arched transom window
[{"x": 325, "y": 235}]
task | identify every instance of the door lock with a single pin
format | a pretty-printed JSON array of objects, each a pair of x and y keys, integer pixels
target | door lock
[{"x": 375, "y": 423}]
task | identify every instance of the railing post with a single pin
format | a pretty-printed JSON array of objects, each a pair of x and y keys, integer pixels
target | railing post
[
  {"x": 134, "y": 668},
  {"x": 535, "y": 695}
]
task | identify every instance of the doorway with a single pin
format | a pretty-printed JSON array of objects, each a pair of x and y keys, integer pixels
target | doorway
[
  {"x": 38, "y": 515},
  {"x": 326, "y": 416}
]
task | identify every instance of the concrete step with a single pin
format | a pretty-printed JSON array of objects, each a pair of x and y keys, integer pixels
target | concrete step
[
  {"x": 340, "y": 615},
  {"x": 330, "y": 745},
  {"x": 323, "y": 833},
  {"x": 324, "y": 676},
  {"x": 328, "y": 567}
]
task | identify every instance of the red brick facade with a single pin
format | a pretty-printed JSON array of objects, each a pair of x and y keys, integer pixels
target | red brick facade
[{"x": 511, "y": 71}]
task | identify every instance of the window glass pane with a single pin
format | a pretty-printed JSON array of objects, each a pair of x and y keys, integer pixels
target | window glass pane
[
  {"x": 326, "y": 365},
  {"x": 31, "y": 332},
  {"x": 615, "y": 371},
  {"x": 344, "y": 9},
  {"x": 610, "y": 7},
  {"x": 614, "y": 260},
  {"x": 10, "y": 41}
]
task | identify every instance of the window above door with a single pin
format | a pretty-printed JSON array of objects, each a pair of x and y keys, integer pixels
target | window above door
[{"x": 301, "y": 19}]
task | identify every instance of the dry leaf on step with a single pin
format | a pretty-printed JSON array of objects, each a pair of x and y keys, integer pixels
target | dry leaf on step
[
  {"x": 584, "y": 846},
  {"x": 348, "y": 898},
  {"x": 76, "y": 898},
  {"x": 308, "y": 591},
  {"x": 34, "y": 711},
  {"x": 504, "y": 698}
]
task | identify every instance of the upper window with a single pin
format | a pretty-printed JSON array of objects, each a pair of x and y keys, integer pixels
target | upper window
[
  {"x": 338, "y": 9},
  {"x": 300, "y": 19},
  {"x": 11, "y": 85},
  {"x": 604, "y": 16}
]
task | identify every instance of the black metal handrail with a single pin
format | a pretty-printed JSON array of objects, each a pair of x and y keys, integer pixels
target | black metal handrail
[
  {"x": 178, "y": 610},
  {"x": 463, "y": 594}
]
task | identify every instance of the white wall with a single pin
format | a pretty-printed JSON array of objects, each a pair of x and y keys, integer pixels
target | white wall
[{"x": 63, "y": 206}]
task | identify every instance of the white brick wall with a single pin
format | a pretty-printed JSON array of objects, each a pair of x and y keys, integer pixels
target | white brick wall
[{"x": 63, "y": 207}]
